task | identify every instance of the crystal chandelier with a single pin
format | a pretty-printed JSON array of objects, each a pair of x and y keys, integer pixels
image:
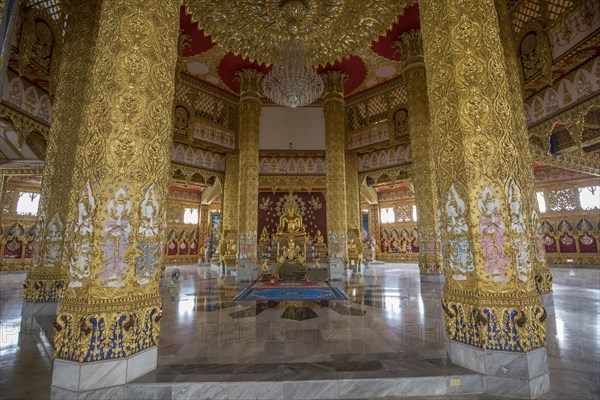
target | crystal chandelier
[{"x": 292, "y": 82}]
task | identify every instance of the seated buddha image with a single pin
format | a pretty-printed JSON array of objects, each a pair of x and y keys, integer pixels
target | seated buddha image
[{"x": 290, "y": 221}]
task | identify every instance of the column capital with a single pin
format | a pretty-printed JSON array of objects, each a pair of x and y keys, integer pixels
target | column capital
[
  {"x": 410, "y": 46},
  {"x": 250, "y": 84},
  {"x": 334, "y": 85}
]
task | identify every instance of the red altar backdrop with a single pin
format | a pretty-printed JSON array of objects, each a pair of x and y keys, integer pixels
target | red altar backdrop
[{"x": 311, "y": 206}]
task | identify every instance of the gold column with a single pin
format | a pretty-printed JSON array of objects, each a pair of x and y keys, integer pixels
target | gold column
[
  {"x": 47, "y": 279},
  {"x": 204, "y": 224},
  {"x": 541, "y": 273},
  {"x": 335, "y": 145},
  {"x": 374, "y": 226},
  {"x": 423, "y": 158},
  {"x": 352, "y": 195},
  {"x": 230, "y": 210},
  {"x": 250, "y": 81},
  {"x": 116, "y": 208},
  {"x": 484, "y": 180}
]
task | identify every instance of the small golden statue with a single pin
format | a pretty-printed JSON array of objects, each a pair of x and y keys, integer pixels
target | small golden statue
[
  {"x": 265, "y": 268},
  {"x": 264, "y": 236},
  {"x": 291, "y": 252},
  {"x": 319, "y": 238},
  {"x": 230, "y": 248}
]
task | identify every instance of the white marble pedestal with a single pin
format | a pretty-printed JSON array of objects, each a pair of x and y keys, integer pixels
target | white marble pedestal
[
  {"x": 510, "y": 374},
  {"x": 245, "y": 271},
  {"x": 81, "y": 377},
  {"x": 336, "y": 268},
  {"x": 30, "y": 310}
]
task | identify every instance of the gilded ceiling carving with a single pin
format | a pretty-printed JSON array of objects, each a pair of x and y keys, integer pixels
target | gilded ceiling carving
[{"x": 254, "y": 29}]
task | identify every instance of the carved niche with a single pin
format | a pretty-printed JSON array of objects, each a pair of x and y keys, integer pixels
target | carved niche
[{"x": 40, "y": 46}]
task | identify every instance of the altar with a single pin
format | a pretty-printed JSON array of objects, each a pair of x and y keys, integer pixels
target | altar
[{"x": 291, "y": 229}]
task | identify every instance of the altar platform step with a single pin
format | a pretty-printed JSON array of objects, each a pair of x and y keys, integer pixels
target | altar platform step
[{"x": 161, "y": 385}]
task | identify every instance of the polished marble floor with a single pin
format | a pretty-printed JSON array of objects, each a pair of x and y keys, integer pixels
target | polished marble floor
[{"x": 391, "y": 327}]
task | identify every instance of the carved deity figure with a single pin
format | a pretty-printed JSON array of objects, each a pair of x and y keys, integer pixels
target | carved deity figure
[
  {"x": 36, "y": 257},
  {"x": 42, "y": 45},
  {"x": 148, "y": 246},
  {"x": 520, "y": 240},
  {"x": 81, "y": 242},
  {"x": 52, "y": 246},
  {"x": 460, "y": 258},
  {"x": 491, "y": 230},
  {"x": 116, "y": 239}
]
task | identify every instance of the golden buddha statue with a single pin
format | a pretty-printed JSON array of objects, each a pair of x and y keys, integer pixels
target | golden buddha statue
[{"x": 290, "y": 221}]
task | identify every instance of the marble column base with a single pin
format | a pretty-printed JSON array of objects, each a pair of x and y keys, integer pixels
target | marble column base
[
  {"x": 30, "y": 310},
  {"x": 510, "y": 374},
  {"x": 548, "y": 303},
  {"x": 245, "y": 271},
  {"x": 336, "y": 269},
  {"x": 432, "y": 278},
  {"x": 80, "y": 377}
]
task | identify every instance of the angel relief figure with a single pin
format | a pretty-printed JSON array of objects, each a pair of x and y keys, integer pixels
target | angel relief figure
[
  {"x": 520, "y": 241},
  {"x": 491, "y": 230},
  {"x": 145, "y": 264},
  {"x": 81, "y": 242},
  {"x": 116, "y": 239},
  {"x": 460, "y": 258}
]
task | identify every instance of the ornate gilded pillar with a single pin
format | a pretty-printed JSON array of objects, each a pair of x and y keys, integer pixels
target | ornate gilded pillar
[
  {"x": 423, "y": 158},
  {"x": 541, "y": 273},
  {"x": 47, "y": 279},
  {"x": 485, "y": 184},
  {"x": 227, "y": 248},
  {"x": 204, "y": 223},
  {"x": 250, "y": 81},
  {"x": 353, "y": 201},
  {"x": 116, "y": 208},
  {"x": 335, "y": 145}
]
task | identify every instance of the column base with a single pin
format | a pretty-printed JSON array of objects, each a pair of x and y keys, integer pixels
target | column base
[
  {"x": 30, "y": 310},
  {"x": 510, "y": 374},
  {"x": 548, "y": 303},
  {"x": 432, "y": 278},
  {"x": 79, "y": 377},
  {"x": 336, "y": 269},
  {"x": 245, "y": 270}
]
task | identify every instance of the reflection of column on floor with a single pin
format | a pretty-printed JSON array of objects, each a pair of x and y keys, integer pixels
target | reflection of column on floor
[
  {"x": 486, "y": 184},
  {"x": 112, "y": 307}
]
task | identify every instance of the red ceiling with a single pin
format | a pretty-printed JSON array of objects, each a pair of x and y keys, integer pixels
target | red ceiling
[
  {"x": 198, "y": 42},
  {"x": 353, "y": 66},
  {"x": 385, "y": 45},
  {"x": 230, "y": 64}
]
